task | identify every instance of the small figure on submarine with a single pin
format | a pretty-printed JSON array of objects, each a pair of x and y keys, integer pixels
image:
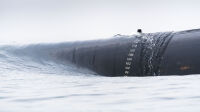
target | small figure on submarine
[
  {"x": 141, "y": 34},
  {"x": 139, "y": 31}
]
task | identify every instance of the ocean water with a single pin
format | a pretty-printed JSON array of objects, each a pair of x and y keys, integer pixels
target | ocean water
[{"x": 32, "y": 79}]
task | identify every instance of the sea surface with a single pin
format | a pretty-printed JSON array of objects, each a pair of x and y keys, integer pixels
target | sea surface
[{"x": 32, "y": 79}]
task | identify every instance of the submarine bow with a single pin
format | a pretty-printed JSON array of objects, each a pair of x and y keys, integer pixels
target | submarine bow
[{"x": 148, "y": 54}]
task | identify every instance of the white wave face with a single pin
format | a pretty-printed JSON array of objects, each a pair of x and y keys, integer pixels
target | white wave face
[
  {"x": 33, "y": 79},
  {"x": 37, "y": 58}
]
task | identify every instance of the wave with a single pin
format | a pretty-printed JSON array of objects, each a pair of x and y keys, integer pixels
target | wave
[{"x": 41, "y": 58}]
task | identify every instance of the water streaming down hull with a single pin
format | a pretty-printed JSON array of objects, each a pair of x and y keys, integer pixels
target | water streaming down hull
[{"x": 150, "y": 54}]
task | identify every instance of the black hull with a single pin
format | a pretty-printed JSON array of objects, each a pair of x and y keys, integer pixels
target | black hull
[{"x": 155, "y": 54}]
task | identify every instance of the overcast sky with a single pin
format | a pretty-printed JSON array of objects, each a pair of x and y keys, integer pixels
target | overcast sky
[{"x": 65, "y": 20}]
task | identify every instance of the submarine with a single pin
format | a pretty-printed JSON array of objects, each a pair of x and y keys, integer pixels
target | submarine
[{"x": 146, "y": 54}]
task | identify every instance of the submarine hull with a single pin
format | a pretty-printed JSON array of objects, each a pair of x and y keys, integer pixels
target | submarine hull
[
  {"x": 182, "y": 56},
  {"x": 150, "y": 54}
]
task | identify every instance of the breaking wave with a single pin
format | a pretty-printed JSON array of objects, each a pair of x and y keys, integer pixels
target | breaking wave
[{"x": 39, "y": 58}]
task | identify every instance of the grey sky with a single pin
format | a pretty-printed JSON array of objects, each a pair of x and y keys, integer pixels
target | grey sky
[{"x": 65, "y": 20}]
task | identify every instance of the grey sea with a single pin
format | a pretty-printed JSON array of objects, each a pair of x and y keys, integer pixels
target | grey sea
[{"x": 32, "y": 80}]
